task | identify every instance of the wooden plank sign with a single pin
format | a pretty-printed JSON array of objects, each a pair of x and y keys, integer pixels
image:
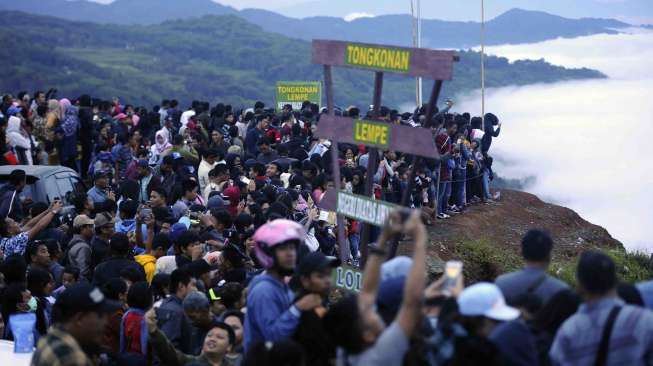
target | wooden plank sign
[
  {"x": 364, "y": 209},
  {"x": 418, "y": 62},
  {"x": 296, "y": 92},
  {"x": 406, "y": 139},
  {"x": 347, "y": 278}
]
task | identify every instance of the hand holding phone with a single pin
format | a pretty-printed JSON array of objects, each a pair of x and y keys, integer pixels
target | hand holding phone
[{"x": 453, "y": 271}]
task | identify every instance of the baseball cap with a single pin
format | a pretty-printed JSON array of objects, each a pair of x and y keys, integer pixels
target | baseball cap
[
  {"x": 82, "y": 220},
  {"x": 176, "y": 230},
  {"x": 84, "y": 297},
  {"x": 14, "y": 110},
  {"x": 485, "y": 299},
  {"x": 396, "y": 267},
  {"x": 103, "y": 219},
  {"x": 314, "y": 262}
]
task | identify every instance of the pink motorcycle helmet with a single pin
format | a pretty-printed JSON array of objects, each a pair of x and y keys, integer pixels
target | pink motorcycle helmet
[{"x": 272, "y": 234}]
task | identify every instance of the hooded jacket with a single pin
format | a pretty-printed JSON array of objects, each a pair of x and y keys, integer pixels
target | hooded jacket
[
  {"x": 16, "y": 138},
  {"x": 271, "y": 315}
]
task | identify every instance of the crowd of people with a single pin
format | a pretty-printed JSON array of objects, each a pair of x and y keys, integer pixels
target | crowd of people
[{"x": 199, "y": 240}]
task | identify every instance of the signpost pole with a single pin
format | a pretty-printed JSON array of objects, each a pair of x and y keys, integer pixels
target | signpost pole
[
  {"x": 343, "y": 244},
  {"x": 418, "y": 162},
  {"x": 372, "y": 162}
]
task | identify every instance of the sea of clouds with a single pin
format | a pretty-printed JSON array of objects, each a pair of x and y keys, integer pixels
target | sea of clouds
[{"x": 589, "y": 144}]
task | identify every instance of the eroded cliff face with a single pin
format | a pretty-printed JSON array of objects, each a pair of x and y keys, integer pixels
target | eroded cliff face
[{"x": 487, "y": 239}]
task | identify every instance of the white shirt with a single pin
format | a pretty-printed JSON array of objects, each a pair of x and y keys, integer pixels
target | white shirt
[{"x": 203, "y": 173}]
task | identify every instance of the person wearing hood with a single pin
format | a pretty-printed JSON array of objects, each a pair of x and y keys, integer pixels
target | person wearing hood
[
  {"x": 489, "y": 122},
  {"x": 66, "y": 134},
  {"x": 160, "y": 147},
  {"x": 19, "y": 141}
]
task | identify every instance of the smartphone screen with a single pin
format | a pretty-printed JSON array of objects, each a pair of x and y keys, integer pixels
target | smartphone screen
[{"x": 452, "y": 271}]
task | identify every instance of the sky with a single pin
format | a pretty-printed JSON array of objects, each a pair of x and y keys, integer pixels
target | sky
[
  {"x": 633, "y": 11},
  {"x": 587, "y": 143}
]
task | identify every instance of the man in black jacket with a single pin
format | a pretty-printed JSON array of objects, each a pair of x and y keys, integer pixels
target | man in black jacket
[
  {"x": 10, "y": 205},
  {"x": 121, "y": 258}
]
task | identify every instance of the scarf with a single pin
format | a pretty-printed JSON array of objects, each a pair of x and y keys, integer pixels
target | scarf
[
  {"x": 70, "y": 118},
  {"x": 160, "y": 148}
]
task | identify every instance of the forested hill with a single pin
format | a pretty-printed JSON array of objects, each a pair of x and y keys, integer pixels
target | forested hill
[
  {"x": 514, "y": 26},
  {"x": 214, "y": 57}
]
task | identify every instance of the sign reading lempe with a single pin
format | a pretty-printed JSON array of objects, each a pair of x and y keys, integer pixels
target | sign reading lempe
[
  {"x": 372, "y": 133},
  {"x": 378, "y": 58},
  {"x": 296, "y": 92}
]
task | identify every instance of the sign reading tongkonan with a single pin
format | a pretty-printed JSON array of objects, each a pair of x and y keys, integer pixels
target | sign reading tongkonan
[
  {"x": 421, "y": 62},
  {"x": 296, "y": 92}
]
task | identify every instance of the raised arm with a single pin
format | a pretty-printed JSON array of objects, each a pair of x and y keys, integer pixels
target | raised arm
[
  {"x": 410, "y": 311},
  {"x": 372, "y": 273},
  {"x": 45, "y": 220}
]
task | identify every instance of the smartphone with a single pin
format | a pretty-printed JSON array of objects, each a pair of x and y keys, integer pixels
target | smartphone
[
  {"x": 452, "y": 272},
  {"x": 244, "y": 180}
]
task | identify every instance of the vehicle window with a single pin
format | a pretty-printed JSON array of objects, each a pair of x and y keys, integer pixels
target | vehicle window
[
  {"x": 52, "y": 188},
  {"x": 64, "y": 185}
]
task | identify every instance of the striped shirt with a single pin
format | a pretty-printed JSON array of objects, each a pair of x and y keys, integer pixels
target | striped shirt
[{"x": 631, "y": 341}]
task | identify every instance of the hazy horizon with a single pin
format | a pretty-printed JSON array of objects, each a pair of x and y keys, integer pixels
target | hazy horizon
[{"x": 586, "y": 142}]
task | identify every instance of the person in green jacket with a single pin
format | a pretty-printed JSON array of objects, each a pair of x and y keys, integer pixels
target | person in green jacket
[{"x": 217, "y": 344}]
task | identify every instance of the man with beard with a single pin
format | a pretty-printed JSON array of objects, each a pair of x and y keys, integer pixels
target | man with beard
[{"x": 271, "y": 314}]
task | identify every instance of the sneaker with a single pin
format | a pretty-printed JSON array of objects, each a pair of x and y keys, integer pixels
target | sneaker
[{"x": 442, "y": 216}]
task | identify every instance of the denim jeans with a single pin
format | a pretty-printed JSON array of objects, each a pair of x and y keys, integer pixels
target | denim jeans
[
  {"x": 354, "y": 244},
  {"x": 444, "y": 192},
  {"x": 459, "y": 188},
  {"x": 486, "y": 184}
]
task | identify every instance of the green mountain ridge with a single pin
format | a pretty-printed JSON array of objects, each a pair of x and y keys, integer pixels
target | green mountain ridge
[
  {"x": 512, "y": 27},
  {"x": 214, "y": 57}
]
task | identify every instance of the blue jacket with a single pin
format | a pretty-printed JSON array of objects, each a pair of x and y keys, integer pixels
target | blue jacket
[
  {"x": 271, "y": 315},
  {"x": 172, "y": 322}
]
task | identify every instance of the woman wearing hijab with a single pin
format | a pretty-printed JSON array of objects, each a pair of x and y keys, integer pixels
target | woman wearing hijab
[
  {"x": 17, "y": 139},
  {"x": 161, "y": 145},
  {"x": 67, "y": 134}
]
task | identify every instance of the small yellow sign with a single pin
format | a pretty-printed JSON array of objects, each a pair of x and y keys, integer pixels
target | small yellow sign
[
  {"x": 380, "y": 58},
  {"x": 372, "y": 133}
]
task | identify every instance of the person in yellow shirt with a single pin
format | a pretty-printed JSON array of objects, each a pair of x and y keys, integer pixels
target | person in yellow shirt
[{"x": 156, "y": 246}]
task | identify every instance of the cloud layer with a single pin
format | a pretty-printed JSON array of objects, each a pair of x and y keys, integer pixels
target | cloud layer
[{"x": 589, "y": 143}]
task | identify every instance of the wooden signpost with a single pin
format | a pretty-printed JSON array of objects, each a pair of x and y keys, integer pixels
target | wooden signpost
[{"x": 414, "y": 62}]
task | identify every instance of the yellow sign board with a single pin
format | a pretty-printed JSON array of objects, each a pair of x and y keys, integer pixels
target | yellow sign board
[
  {"x": 372, "y": 133},
  {"x": 378, "y": 58}
]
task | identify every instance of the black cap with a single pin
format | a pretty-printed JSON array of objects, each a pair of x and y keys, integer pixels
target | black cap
[
  {"x": 84, "y": 297},
  {"x": 314, "y": 262}
]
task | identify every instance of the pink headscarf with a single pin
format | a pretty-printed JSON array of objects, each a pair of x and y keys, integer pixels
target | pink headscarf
[
  {"x": 64, "y": 104},
  {"x": 160, "y": 148}
]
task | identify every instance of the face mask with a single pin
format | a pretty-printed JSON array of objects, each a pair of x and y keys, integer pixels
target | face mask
[{"x": 32, "y": 304}]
